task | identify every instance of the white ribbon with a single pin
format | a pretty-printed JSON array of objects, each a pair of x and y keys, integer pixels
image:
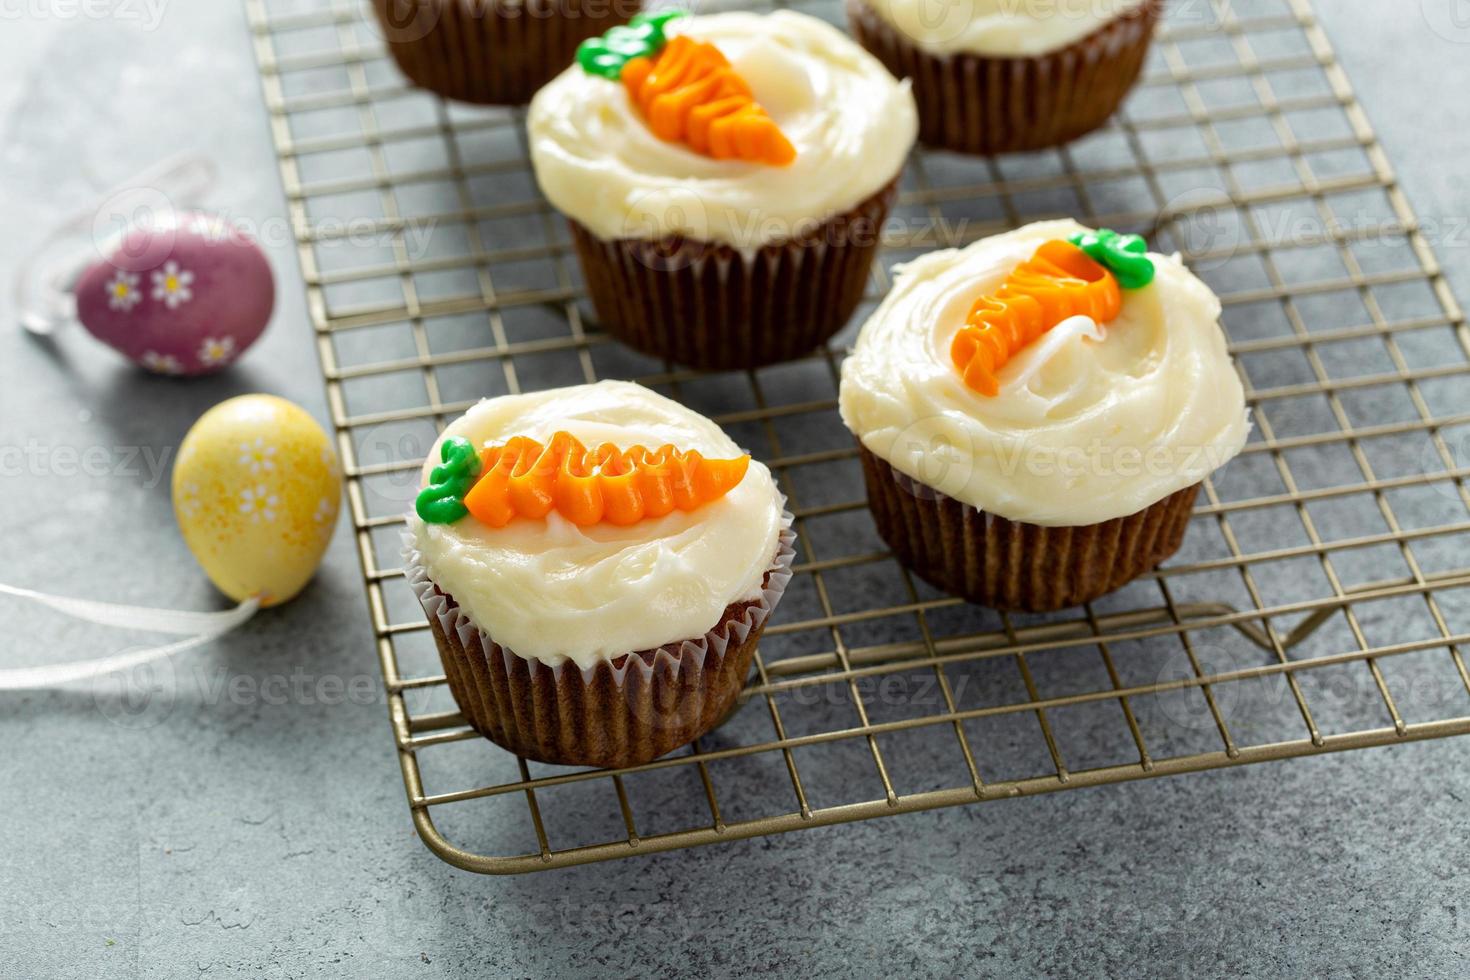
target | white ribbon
[{"x": 197, "y": 628}]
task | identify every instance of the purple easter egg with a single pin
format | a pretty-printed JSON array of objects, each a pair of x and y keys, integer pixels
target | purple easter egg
[{"x": 186, "y": 296}]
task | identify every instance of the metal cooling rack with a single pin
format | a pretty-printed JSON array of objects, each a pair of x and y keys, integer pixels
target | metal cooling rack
[{"x": 1322, "y": 597}]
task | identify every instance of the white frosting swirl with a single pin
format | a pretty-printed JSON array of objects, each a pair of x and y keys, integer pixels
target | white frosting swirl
[
  {"x": 999, "y": 28},
  {"x": 552, "y": 591},
  {"x": 1083, "y": 430},
  {"x": 851, "y": 123}
]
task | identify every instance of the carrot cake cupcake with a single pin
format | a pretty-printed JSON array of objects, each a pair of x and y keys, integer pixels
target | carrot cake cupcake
[
  {"x": 726, "y": 178},
  {"x": 1036, "y": 411},
  {"x": 1002, "y": 76},
  {"x": 597, "y": 564},
  {"x": 491, "y": 51}
]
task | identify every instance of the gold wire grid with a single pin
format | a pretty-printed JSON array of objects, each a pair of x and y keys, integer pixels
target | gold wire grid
[{"x": 1320, "y": 603}]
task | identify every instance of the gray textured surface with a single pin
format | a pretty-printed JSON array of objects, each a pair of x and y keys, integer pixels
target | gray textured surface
[{"x": 230, "y": 835}]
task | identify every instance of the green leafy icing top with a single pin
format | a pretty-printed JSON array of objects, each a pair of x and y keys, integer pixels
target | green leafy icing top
[
  {"x": 1125, "y": 256},
  {"x": 642, "y": 37},
  {"x": 442, "y": 501}
]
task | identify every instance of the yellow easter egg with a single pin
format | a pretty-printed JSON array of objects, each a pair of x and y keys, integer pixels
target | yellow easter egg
[{"x": 256, "y": 491}]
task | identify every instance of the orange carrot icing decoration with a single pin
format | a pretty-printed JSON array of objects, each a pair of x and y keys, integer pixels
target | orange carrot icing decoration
[
  {"x": 1058, "y": 282},
  {"x": 689, "y": 92},
  {"x": 620, "y": 486}
]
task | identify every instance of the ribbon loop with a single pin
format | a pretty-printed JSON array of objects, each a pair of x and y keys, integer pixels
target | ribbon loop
[{"x": 198, "y": 628}]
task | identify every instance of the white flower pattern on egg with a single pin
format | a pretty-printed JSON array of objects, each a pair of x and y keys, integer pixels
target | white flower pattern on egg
[
  {"x": 172, "y": 285},
  {"x": 258, "y": 456},
  {"x": 217, "y": 351},
  {"x": 161, "y": 363},
  {"x": 189, "y": 501},
  {"x": 259, "y": 503},
  {"x": 122, "y": 291},
  {"x": 324, "y": 517}
]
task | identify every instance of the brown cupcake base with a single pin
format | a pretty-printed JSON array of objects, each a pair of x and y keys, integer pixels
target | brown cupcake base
[
  {"x": 622, "y": 712},
  {"x": 712, "y": 306},
  {"x": 1010, "y": 565},
  {"x": 976, "y": 104},
  {"x": 490, "y": 51}
]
